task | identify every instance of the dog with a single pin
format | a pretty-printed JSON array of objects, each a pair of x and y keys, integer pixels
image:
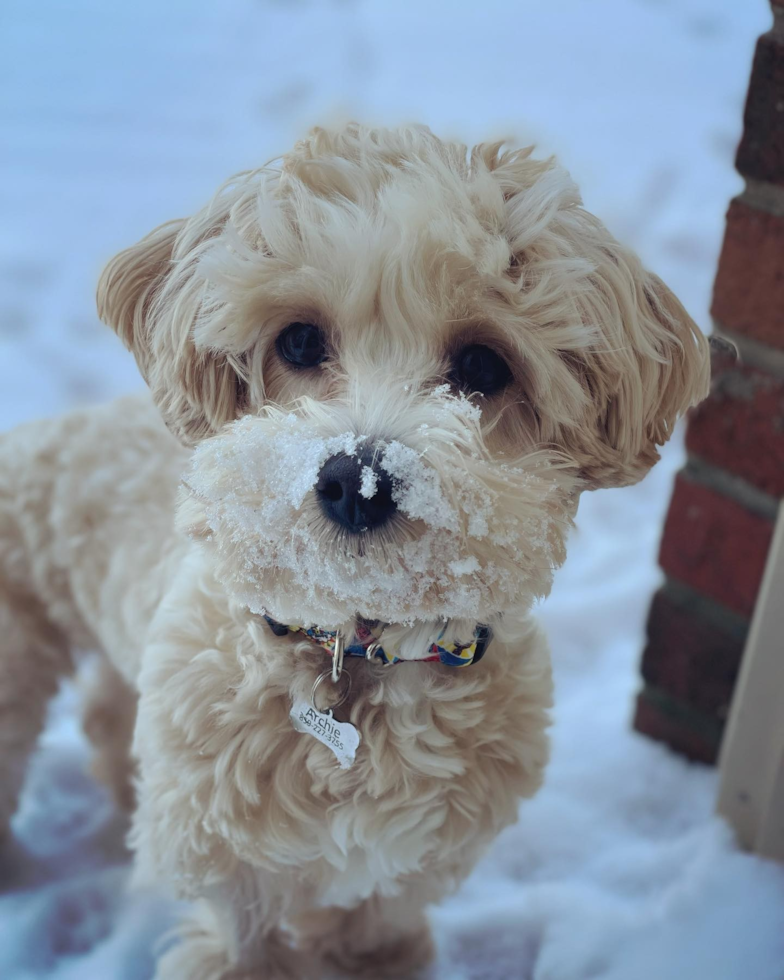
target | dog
[{"x": 381, "y": 371}]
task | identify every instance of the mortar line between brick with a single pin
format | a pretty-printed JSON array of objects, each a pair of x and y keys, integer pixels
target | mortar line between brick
[
  {"x": 753, "y": 353},
  {"x": 686, "y": 597},
  {"x": 681, "y": 712},
  {"x": 729, "y": 485},
  {"x": 763, "y": 196}
]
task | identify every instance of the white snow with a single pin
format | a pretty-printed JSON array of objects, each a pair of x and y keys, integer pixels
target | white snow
[
  {"x": 117, "y": 117},
  {"x": 368, "y": 484},
  {"x": 417, "y": 490}
]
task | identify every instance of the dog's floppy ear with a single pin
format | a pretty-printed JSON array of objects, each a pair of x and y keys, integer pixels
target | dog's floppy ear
[
  {"x": 653, "y": 365},
  {"x": 150, "y": 296},
  {"x": 640, "y": 361}
]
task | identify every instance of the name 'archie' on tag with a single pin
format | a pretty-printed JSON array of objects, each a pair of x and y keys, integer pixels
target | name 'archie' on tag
[
  {"x": 323, "y": 724},
  {"x": 341, "y": 737}
]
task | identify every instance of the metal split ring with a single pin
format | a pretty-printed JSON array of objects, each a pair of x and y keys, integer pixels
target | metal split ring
[
  {"x": 331, "y": 675},
  {"x": 337, "y": 657}
]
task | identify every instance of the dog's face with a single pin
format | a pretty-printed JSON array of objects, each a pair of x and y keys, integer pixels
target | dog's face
[{"x": 401, "y": 363}]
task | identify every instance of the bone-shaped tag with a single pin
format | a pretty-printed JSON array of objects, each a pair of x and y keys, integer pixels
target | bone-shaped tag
[{"x": 340, "y": 736}]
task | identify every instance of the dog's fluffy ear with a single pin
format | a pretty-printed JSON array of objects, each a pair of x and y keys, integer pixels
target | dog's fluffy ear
[
  {"x": 653, "y": 365},
  {"x": 638, "y": 358},
  {"x": 150, "y": 296}
]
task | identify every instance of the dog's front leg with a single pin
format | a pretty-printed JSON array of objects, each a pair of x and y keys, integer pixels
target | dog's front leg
[
  {"x": 234, "y": 930},
  {"x": 232, "y": 935},
  {"x": 383, "y": 937},
  {"x": 208, "y": 712}
]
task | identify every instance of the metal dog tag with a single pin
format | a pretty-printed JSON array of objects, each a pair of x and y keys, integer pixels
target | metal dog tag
[{"x": 340, "y": 736}]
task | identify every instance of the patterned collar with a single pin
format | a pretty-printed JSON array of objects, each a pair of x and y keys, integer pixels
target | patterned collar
[{"x": 365, "y": 644}]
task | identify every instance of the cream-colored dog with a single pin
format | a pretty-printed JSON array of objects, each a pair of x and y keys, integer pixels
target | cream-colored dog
[{"x": 388, "y": 367}]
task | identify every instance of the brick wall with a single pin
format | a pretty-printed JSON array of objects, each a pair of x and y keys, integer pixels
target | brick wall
[{"x": 724, "y": 504}]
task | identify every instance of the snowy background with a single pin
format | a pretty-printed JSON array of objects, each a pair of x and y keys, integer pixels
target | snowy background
[{"x": 116, "y": 117}]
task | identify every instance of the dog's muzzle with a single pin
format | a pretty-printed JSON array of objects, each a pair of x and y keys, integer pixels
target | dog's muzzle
[{"x": 354, "y": 492}]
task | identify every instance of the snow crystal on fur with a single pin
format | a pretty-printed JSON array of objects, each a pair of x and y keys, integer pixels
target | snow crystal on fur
[{"x": 471, "y": 538}]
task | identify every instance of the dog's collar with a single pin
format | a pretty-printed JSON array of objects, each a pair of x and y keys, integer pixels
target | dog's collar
[{"x": 365, "y": 644}]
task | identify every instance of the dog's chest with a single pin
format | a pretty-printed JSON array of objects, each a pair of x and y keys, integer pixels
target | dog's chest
[{"x": 363, "y": 827}]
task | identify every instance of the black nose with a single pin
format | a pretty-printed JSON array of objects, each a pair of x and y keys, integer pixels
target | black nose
[{"x": 340, "y": 487}]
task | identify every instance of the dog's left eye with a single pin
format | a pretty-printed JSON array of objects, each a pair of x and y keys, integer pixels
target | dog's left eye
[
  {"x": 302, "y": 344},
  {"x": 480, "y": 369}
]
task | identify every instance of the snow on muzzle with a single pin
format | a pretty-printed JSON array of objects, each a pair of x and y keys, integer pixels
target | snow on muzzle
[{"x": 469, "y": 536}]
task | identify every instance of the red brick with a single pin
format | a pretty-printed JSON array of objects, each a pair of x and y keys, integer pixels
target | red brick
[
  {"x": 761, "y": 150},
  {"x": 676, "y": 725},
  {"x": 748, "y": 297},
  {"x": 690, "y": 656},
  {"x": 715, "y": 545},
  {"x": 740, "y": 427}
]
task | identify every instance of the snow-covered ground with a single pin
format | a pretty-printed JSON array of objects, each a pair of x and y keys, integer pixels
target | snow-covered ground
[{"x": 116, "y": 117}]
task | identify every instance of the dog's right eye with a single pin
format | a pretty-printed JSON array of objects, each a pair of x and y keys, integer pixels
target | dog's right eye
[
  {"x": 302, "y": 344},
  {"x": 480, "y": 370}
]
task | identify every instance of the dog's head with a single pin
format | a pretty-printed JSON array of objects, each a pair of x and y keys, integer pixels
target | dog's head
[{"x": 401, "y": 363}]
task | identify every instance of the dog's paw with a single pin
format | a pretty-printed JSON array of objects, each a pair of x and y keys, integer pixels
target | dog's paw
[
  {"x": 194, "y": 956},
  {"x": 199, "y": 959},
  {"x": 406, "y": 958},
  {"x": 199, "y": 952}
]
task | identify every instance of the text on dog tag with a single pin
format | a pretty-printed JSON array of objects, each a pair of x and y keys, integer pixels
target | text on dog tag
[{"x": 340, "y": 736}]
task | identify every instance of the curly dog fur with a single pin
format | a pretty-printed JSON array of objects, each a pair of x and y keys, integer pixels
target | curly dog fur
[{"x": 402, "y": 249}]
